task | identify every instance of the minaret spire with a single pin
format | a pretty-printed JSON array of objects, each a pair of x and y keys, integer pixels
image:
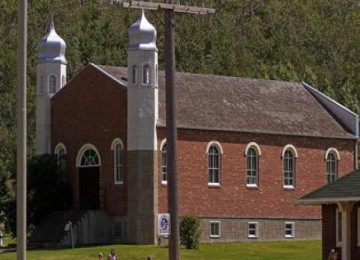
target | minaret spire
[
  {"x": 52, "y": 25},
  {"x": 51, "y": 77},
  {"x": 142, "y": 109}
]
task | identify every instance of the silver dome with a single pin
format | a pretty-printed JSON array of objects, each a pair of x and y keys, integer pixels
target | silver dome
[
  {"x": 52, "y": 47},
  {"x": 142, "y": 34}
]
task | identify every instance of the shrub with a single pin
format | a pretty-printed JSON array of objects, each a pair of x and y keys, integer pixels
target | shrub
[
  {"x": 46, "y": 192},
  {"x": 190, "y": 231}
]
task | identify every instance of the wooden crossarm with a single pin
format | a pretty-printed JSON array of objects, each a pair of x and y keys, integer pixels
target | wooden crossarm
[{"x": 164, "y": 6}]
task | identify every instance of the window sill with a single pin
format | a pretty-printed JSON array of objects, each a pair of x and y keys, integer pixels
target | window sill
[
  {"x": 289, "y": 236},
  {"x": 214, "y": 185},
  {"x": 163, "y": 183},
  {"x": 289, "y": 187},
  {"x": 118, "y": 182},
  {"x": 214, "y": 236},
  {"x": 252, "y": 186}
]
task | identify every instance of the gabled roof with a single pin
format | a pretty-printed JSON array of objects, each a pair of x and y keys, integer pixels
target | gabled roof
[
  {"x": 346, "y": 188},
  {"x": 210, "y": 102}
]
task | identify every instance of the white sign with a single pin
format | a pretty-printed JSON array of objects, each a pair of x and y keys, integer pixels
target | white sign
[
  {"x": 164, "y": 224},
  {"x": 67, "y": 227}
]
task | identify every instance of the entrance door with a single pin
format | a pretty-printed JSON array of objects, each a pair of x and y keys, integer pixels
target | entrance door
[{"x": 89, "y": 178}]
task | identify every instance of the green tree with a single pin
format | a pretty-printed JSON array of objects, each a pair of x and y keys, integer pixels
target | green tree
[{"x": 190, "y": 231}]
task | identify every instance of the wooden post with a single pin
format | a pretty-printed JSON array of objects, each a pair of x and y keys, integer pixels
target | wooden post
[{"x": 171, "y": 134}]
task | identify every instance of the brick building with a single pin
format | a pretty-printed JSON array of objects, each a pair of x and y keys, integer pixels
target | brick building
[
  {"x": 247, "y": 148},
  {"x": 340, "y": 215}
]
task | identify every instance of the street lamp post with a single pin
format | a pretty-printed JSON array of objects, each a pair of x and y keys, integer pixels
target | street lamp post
[{"x": 21, "y": 133}]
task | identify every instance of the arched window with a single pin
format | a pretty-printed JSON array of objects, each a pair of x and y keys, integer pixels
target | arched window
[
  {"x": 331, "y": 166},
  {"x": 60, "y": 152},
  {"x": 146, "y": 74},
  {"x": 118, "y": 165},
  {"x": 117, "y": 147},
  {"x": 52, "y": 84},
  {"x": 289, "y": 169},
  {"x": 164, "y": 164},
  {"x": 90, "y": 158},
  {"x": 214, "y": 162},
  {"x": 134, "y": 74},
  {"x": 41, "y": 86},
  {"x": 252, "y": 162}
]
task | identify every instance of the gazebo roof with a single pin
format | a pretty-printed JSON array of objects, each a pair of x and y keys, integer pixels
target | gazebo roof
[{"x": 346, "y": 188}]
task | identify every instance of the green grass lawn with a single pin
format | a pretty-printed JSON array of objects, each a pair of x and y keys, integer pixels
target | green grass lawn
[{"x": 309, "y": 250}]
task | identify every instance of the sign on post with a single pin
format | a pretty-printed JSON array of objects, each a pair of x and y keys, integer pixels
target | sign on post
[{"x": 164, "y": 224}]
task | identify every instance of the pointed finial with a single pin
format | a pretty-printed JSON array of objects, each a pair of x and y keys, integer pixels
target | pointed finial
[{"x": 52, "y": 25}]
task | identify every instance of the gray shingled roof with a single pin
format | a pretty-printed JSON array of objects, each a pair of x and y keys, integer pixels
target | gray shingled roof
[
  {"x": 212, "y": 102},
  {"x": 346, "y": 188}
]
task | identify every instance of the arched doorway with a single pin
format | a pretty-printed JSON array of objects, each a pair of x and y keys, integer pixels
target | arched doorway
[{"x": 89, "y": 178}]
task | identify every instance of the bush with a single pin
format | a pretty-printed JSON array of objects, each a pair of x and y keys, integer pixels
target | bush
[
  {"x": 190, "y": 231},
  {"x": 46, "y": 192}
]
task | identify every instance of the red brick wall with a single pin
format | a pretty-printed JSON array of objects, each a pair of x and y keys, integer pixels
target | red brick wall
[
  {"x": 233, "y": 198},
  {"x": 86, "y": 112}
]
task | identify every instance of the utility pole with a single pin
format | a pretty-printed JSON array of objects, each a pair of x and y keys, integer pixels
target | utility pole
[
  {"x": 21, "y": 134},
  {"x": 170, "y": 9}
]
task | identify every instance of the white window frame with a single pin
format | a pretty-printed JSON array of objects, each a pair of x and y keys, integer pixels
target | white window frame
[
  {"x": 331, "y": 167},
  {"x": 81, "y": 153},
  {"x": 287, "y": 171},
  {"x": 52, "y": 84},
  {"x": 217, "y": 225},
  {"x": 292, "y": 229},
  {"x": 164, "y": 163},
  {"x": 255, "y": 229},
  {"x": 338, "y": 227},
  {"x": 252, "y": 168},
  {"x": 212, "y": 171},
  {"x": 118, "y": 164}
]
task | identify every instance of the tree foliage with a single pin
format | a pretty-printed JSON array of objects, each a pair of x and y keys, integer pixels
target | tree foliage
[{"x": 46, "y": 192}]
